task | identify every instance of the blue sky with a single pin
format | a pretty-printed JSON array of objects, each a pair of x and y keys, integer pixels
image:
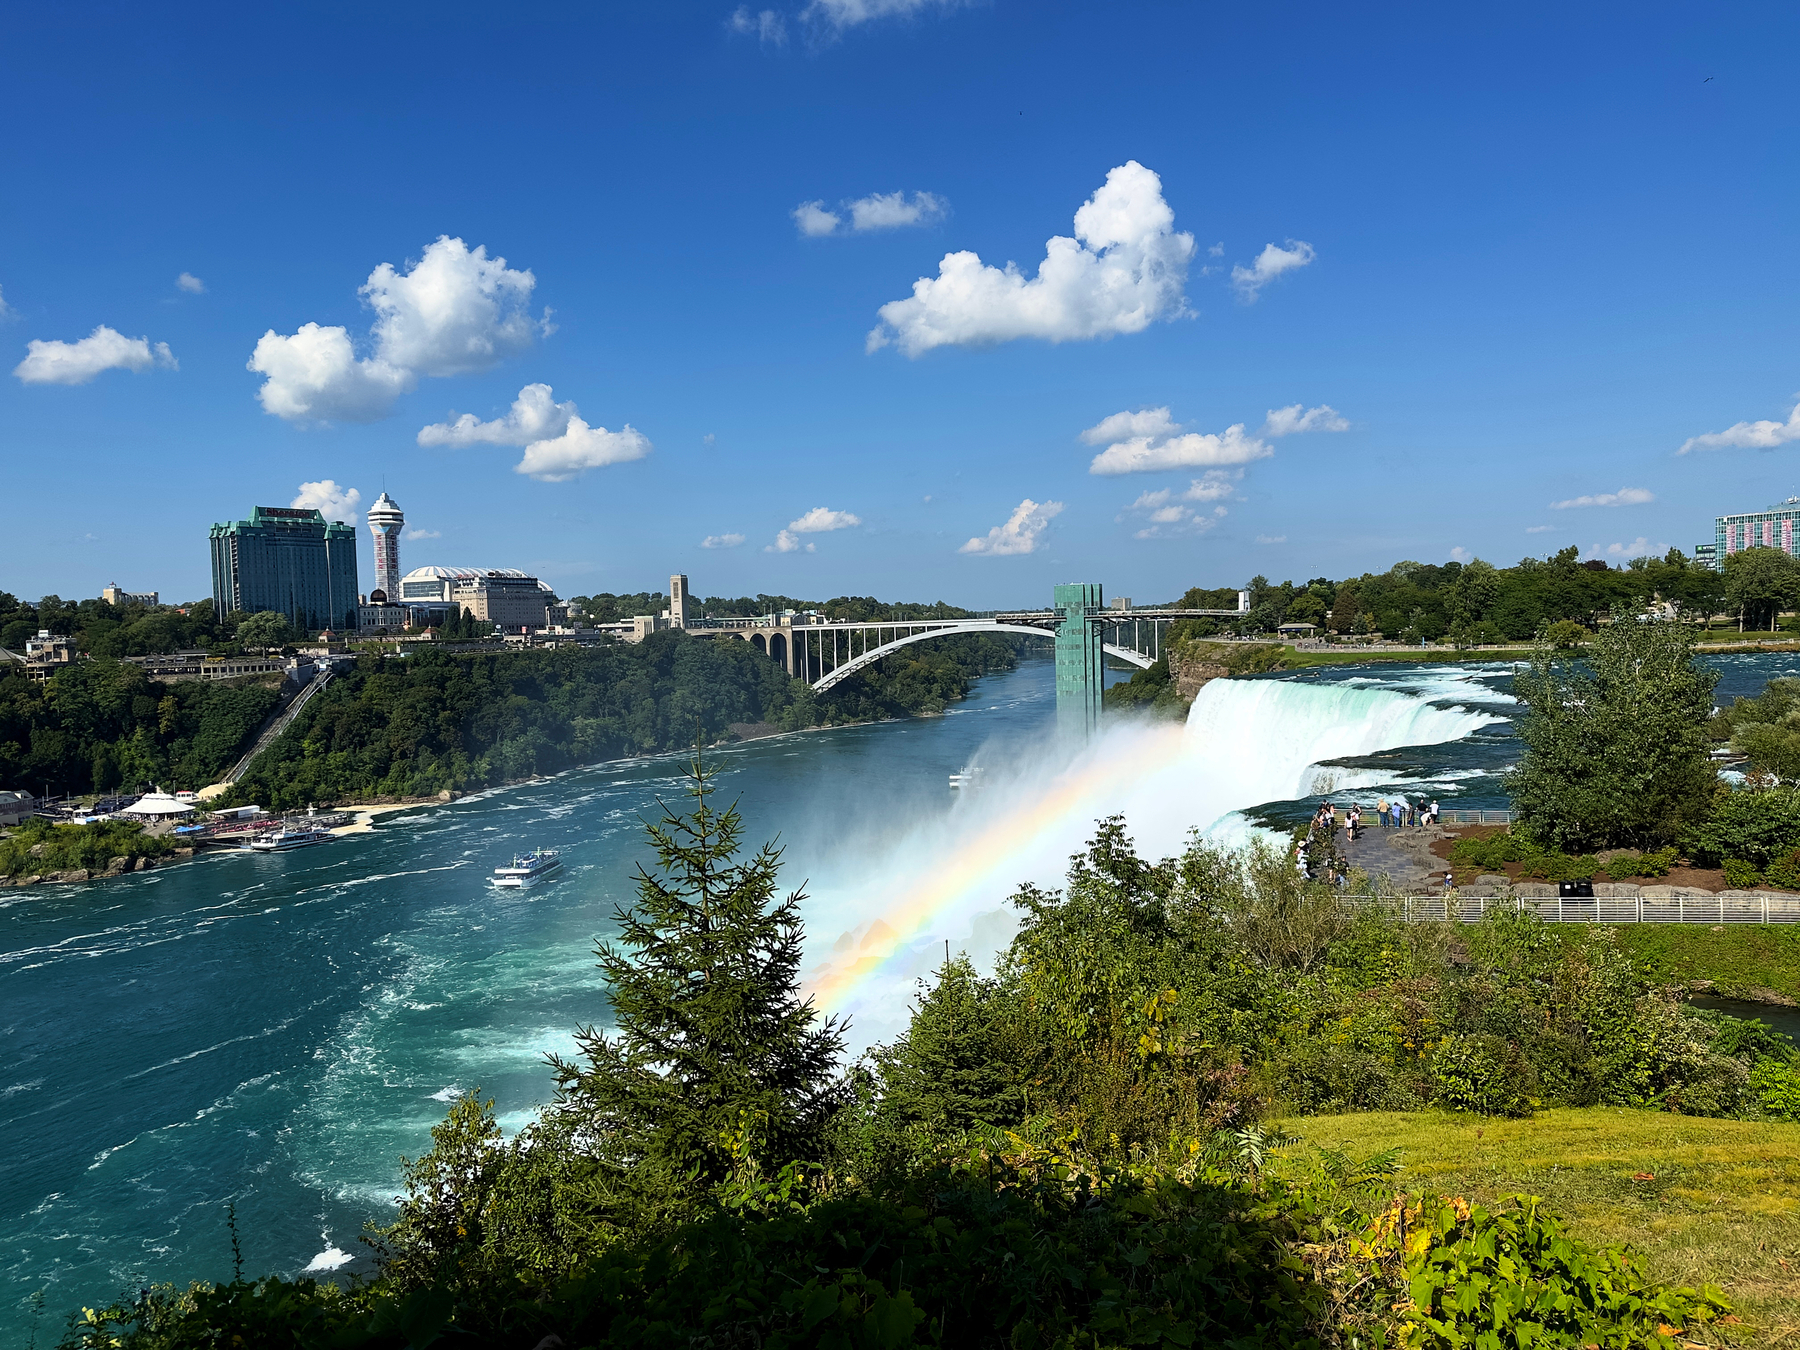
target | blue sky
[{"x": 1509, "y": 258}]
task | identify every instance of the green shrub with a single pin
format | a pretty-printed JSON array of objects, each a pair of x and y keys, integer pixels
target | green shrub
[
  {"x": 1784, "y": 871},
  {"x": 1776, "y": 1083},
  {"x": 68, "y": 848},
  {"x": 1756, "y": 826},
  {"x": 1510, "y": 1277},
  {"x": 1624, "y": 866},
  {"x": 1741, "y": 875},
  {"x": 1483, "y": 1074}
]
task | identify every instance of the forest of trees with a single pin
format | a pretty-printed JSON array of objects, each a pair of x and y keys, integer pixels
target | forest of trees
[
  {"x": 103, "y": 629},
  {"x": 1476, "y": 602},
  {"x": 105, "y": 724},
  {"x": 437, "y": 721}
]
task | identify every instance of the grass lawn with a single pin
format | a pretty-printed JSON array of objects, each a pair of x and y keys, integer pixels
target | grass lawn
[
  {"x": 1740, "y": 959},
  {"x": 1722, "y": 1204}
]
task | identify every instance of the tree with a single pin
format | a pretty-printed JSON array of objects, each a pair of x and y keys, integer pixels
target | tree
[
  {"x": 265, "y": 629},
  {"x": 1767, "y": 728},
  {"x": 1759, "y": 584},
  {"x": 714, "y": 1059},
  {"x": 1566, "y": 635},
  {"x": 1474, "y": 592},
  {"x": 1616, "y": 747},
  {"x": 954, "y": 1068}
]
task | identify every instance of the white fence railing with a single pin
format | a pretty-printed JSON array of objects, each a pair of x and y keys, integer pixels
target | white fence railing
[{"x": 1723, "y": 908}]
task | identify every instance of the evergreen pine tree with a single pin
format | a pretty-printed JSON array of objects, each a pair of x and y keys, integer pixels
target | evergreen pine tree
[
  {"x": 952, "y": 1070},
  {"x": 714, "y": 1056}
]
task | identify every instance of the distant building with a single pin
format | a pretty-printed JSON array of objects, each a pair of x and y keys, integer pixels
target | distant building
[
  {"x": 372, "y": 616},
  {"x": 43, "y": 656},
  {"x": 199, "y": 665},
  {"x": 1773, "y": 528},
  {"x": 503, "y": 596},
  {"x": 16, "y": 807},
  {"x": 1706, "y": 555},
  {"x": 114, "y": 596},
  {"x": 386, "y": 522},
  {"x": 289, "y": 560}
]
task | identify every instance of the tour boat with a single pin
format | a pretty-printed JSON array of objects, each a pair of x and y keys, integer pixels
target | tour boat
[
  {"x": 968, "y": 777},
  {"x": 280, "y": 841},
  {"x": 528, "y": 869}
]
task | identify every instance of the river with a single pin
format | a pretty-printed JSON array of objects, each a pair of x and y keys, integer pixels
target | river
[{"x": 277, "y": 1030}]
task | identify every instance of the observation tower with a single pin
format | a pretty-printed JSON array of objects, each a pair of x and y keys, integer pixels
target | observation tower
[{"x": 385, "y": 523}]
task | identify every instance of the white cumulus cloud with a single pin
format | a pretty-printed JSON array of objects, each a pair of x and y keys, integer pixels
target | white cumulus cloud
[
  {"x": 330, "y": 500},
  {"x": 190, "y": 283},
  {"x": 722, "y": 541},
  {"x": 534, "y": 416},
  {"x": 1153, "y": 440},
  {"x": 1124, "y": 269},
  {"x": 1297, "y": 418},
  {"x": 1539, "y": 529},
  {"x": 1166, "y": 511},
  {"x": 877, "y": 211},
  {"x": 424, "y": 534},
  {"x": 58, "y": 362},
  {"x": 1272, "y": 262},
  {"x": 1021, "y": 532},
  {"x": 1637, "y": 548},
  {"x": 4, "y": 311},
  {"x": 454, "y": 312},
  {"x": 815, "y": 221},
  {"x": 819, "y": 520},
  {"x": 1214, "y": 485},
  {"x": 822, "y": 520},
  {"x": 579, "y": 448},
  {"x": 315, "y": 375},
  {"x": 1271, "y": 539},
  {"x": 1763, "y": 435},
  {"x": 895, "y": 210},
  {"x": 765, "y": 25},
  {"x": 1625, "y": 496},
  {"x": 1150, "y": 439}
]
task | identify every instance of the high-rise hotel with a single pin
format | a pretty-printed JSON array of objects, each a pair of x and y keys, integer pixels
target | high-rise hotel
[
  {"x": 1773, "y": 528},
  {"x": 288, "y": 559}
]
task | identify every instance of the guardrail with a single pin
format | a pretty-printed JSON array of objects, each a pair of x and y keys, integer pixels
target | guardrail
[
  {"x": 1449, "y": 816},
  {"x": 1762, "y": 907}
]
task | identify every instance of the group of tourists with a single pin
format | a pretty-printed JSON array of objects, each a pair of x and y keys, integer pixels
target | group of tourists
[
  {"x": 1399, "y": 813},
  {"x": 1316, "y": 856}
]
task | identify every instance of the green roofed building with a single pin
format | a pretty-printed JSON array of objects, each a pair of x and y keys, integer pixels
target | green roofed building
[{"x": 290, "y": 560}]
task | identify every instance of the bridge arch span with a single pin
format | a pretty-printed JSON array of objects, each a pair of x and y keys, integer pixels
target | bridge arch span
[{"x": 863, "y": 660}]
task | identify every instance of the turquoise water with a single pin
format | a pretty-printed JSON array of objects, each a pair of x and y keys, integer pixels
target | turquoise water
[{"x": 277, "y": 1030}]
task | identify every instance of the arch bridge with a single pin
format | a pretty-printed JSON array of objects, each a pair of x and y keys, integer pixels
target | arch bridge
[{"x": 824, "y": 652}]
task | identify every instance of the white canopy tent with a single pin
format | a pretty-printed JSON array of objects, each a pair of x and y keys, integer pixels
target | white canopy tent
[{"x": 158, "y": 803}]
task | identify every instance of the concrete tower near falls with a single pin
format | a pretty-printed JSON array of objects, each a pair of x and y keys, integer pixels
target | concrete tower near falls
[{"x": 385, "y": 523}]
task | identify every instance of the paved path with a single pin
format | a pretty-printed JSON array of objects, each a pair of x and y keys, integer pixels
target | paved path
[{"x": 1402, "y": 855}]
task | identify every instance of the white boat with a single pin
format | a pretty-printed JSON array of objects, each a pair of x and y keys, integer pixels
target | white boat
[
  {"x": 528, "y": 869},
  {"x": 968, "y": 777},
  {"x": 280, "y": 841}
]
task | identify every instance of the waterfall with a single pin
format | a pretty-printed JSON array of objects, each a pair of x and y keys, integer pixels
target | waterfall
[{"x": 1245, "y": 743}]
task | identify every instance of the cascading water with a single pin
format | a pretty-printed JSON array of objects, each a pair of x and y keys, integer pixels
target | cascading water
[{"x": 1245, "y": 743}]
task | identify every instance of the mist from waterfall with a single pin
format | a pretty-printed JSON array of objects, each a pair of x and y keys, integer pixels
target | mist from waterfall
[{"x": 878, "y": 922}]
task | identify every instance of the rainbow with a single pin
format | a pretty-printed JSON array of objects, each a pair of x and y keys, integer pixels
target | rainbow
[{"x": 980, "y": 864}]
